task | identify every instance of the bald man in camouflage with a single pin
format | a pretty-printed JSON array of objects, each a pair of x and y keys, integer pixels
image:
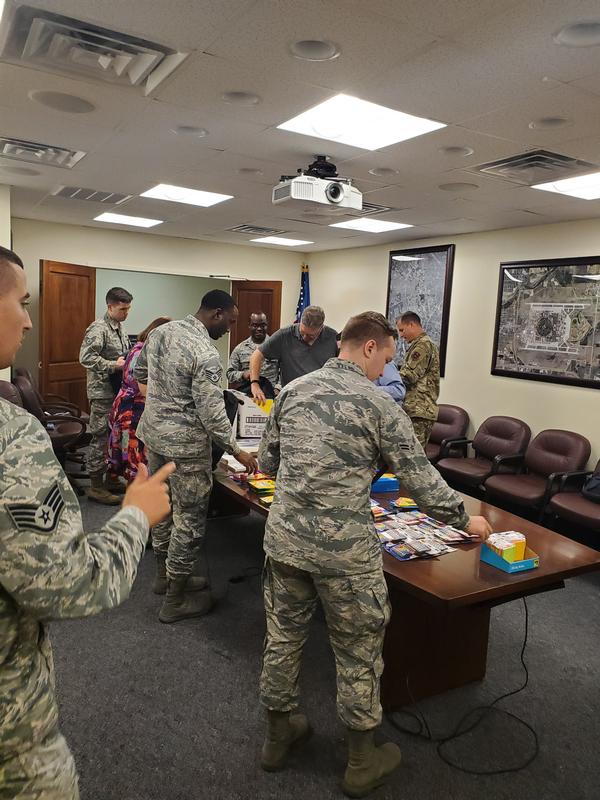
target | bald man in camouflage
[
  {"x": 49, "y": 569},
  {"x": 327, "y": 434},
  {"x": 421, "y": 375}
]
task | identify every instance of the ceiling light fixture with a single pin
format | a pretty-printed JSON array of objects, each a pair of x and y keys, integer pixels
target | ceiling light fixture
[
  {"x": 315, "y": 50},
  {"x": 249, "y": 171},
  {"x": 458, "y": 187},
  {"x": 280, "y": 240},
  {"x": 190, "y": 130},
  {"x": 123, "y": 219},
  {"x": 585, "y": 187},
  {"x": 457, "y": 150},
  {"x": 579, "y": 34},
  {"x": 179, "y": 194},
  {"x": 370, "y": 225},
  {"x": 548, "y": 123},
  {"x": 240, "y": 98},
  {"x": 383, "y": 172},
  {"x": 60, "y": 101},
  {"x": 358, "y": 123}
]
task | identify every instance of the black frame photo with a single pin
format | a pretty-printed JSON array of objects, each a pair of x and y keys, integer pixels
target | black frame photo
[
  {"x": 548, "y": 321},
  {"x": 420, "y": 280}
]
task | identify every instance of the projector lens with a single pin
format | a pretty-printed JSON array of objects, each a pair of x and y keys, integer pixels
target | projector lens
[{"x": 333, "y": 192}]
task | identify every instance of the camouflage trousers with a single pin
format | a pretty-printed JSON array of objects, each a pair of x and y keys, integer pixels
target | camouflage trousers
[
  {"x": 181, "y": 534},
  {"x": 98, "y": 428},
  {"x": 357, "y": 611},
  {"x": 44, "y": 772},
  {"x": 422, "y": 429}
]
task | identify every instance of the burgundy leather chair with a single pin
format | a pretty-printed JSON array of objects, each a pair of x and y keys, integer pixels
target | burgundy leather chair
[
  {"x": 452, "y": 423},
  {"x": 570, "y": 505},
  {"x": 51, "y": 403},
  {"x": 499, "y": 445},
  {"x": 9, "y": 391},
  {"x": 549, "y": 456}
]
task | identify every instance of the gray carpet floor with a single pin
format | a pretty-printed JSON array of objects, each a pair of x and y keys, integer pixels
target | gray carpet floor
[{"x": 170, "y": 712}]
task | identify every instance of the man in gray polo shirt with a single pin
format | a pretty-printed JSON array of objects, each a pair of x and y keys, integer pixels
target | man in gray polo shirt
[{"x": 300, "y": 348}]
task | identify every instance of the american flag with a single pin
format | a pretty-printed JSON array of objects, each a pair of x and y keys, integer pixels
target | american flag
[{"x": 304, "y": 296}]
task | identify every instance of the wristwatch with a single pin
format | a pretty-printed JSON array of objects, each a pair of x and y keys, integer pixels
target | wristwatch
[{"x": 255, "y": 381}]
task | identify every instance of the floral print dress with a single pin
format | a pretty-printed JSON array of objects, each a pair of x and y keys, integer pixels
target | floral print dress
[{"x": 125, "y": 451}]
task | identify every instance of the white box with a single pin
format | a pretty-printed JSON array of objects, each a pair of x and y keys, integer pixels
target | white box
[{"x": 251, "y": 419}]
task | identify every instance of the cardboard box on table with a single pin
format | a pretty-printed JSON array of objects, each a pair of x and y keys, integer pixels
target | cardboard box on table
[{"x": 252, "y": 418}]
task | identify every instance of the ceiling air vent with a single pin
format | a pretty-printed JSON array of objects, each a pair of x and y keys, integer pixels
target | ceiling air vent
[
  {"x": 536, "y": 166},
  {"x": 36, "y": 153},
  {"x": 256, "y": 231},
  {"x": 51, "y": 42},
  {"x": 367, "y": 209},
  {"x": 93, "y": 195}
]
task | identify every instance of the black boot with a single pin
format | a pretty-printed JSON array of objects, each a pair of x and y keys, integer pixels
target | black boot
[
  {"x": 194, "y": 583},
  {"x": 178, "y": 604},
  {"x": 368, "y": 764},
  {"x": 284, "y": 730}
]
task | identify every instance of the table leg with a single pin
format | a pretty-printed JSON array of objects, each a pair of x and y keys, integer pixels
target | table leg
[{"x": 431, "y": 648}]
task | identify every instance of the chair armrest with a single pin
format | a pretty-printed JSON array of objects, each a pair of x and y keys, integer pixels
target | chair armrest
[
  {"x": 552, "y": 479},
  {"x": 56, "y": 419},
  {"x": 447, "y": 444},
  {"x": 55, "y": 406},
  {"x": 573, "y": 481},
  {"x": 510, "y": 458}
]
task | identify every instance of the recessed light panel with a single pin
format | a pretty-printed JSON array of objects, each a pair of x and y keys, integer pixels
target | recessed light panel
[
  {"x": 123, "y": 219},
  {"x": 586, "y": 187},
  {"x": 280, "y": 240},
  {"x": 370, "y": 225},
  {"x": 192, "y": 197},
  {"x": 358, "y": 123}
]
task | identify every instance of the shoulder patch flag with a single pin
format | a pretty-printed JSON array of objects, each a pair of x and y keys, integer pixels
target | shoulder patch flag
[{"x": 42, "y": 517}]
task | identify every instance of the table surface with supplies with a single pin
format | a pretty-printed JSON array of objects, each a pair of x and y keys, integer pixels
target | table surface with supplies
[{"x": 438, "y": 635}]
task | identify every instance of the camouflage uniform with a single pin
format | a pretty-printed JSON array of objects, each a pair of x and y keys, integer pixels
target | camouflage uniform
[
  {"x": 104, "y": 341},
  {"x": 49, "y": 569},
  {"x": 324, "y": 439},
  {"x": 184, "y": 411},
  {"x": 421, "y": 374},
  {"x": 239, "y": 362}
]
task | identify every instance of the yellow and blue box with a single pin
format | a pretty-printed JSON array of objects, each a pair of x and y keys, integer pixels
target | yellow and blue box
[{"x": 496, "y": 551}]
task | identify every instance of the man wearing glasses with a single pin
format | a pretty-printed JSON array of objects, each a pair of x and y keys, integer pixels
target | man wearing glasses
[
  {"x": 299, "y": 349},
  {"x": 238, "y": 370}
]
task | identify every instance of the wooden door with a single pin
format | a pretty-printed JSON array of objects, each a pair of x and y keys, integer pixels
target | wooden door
[
  {"x": 67, "y": 307},
  {"x": 252, "y": 297}
]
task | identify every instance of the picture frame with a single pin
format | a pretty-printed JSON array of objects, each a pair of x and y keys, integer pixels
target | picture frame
[
  {"x": 548, "y": 321},
  {"x": 420, "y": 280}
]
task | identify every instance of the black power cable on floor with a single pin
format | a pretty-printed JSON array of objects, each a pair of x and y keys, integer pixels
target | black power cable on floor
[{"x": 424, "y": 731}]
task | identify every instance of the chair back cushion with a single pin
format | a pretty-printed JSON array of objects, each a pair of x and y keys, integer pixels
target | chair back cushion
[
  {"x": 10, "y": 392},
  {"x": 29, "y": 396},
  {"x": 557, "y": 451},
  {"x": 452, "y": 423},
  {"x": 501, "y": 436}
]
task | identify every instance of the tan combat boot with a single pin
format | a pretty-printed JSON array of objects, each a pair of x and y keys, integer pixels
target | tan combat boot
[
  {"x": 114, "y": 485},
  {"x": 178, "y": 604},
  {"x": 285, "y": 729},
  {"x": 194, "y": 583},
  {"x": 100, "y": 494},
  {"x": 368, "y": 764}
]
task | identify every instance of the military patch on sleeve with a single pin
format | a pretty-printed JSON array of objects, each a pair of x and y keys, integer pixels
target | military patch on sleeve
[
  {"x": 213, "y": 372},
  {"x": 416, "y": 355},
  {"x": 42, "y": 516}
]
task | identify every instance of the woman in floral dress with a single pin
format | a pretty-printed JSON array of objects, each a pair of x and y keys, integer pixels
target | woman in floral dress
[{"x": 125, "y": 451}]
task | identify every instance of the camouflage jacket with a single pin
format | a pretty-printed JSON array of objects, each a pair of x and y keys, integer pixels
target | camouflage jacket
[
  {"x": 49, "y": 569},
  {"x": 239, "y": 362},
  {"x": 104, "y": 341},
  {"x": 421, "y": 374},
  {"x": 326, "y": 436},
  {"x": 185, "y": 407}
]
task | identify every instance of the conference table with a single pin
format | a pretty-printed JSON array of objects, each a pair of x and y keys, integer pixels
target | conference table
[{"x": 437, "y": 638}]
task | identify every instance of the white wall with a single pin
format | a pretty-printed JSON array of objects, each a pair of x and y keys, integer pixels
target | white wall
[
  {"x": 34, "y": 240},
  {"x": 356, "y": 280},
  {"x": 5, "y": 242}
]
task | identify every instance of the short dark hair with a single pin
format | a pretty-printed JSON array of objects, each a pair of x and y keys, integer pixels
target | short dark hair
[
  {"x": 118, "y": 295},
  {"x": 368, "y": 325},
  {"x": 156, "y": 323},
  {"x": 408, "y": 317},
  {"x": 8, "y": 257},
  {"x": 217, "y": 298}
]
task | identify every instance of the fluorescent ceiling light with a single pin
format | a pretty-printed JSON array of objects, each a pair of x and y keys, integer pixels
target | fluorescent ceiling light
[
  {"x": 359, "y": 123},
  {"x": 280, "y": 240},
  {"x": 370, "y": 225},
  {"x": 123, "y": 219},
  {"x": 586, "y": 187},
  {"x": 179, "y": 194},
  {"x": 406, "y": 258}
]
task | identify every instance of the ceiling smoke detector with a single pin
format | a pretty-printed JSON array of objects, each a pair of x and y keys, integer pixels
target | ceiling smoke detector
[
  {"x": 56, "y": 43},
  {"x": 37, "y": 153}
]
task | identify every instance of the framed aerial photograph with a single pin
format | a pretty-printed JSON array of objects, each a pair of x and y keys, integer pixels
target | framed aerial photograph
[
  {"x": 420, "y": 280},
  {"x": 548, "y": 321}
]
